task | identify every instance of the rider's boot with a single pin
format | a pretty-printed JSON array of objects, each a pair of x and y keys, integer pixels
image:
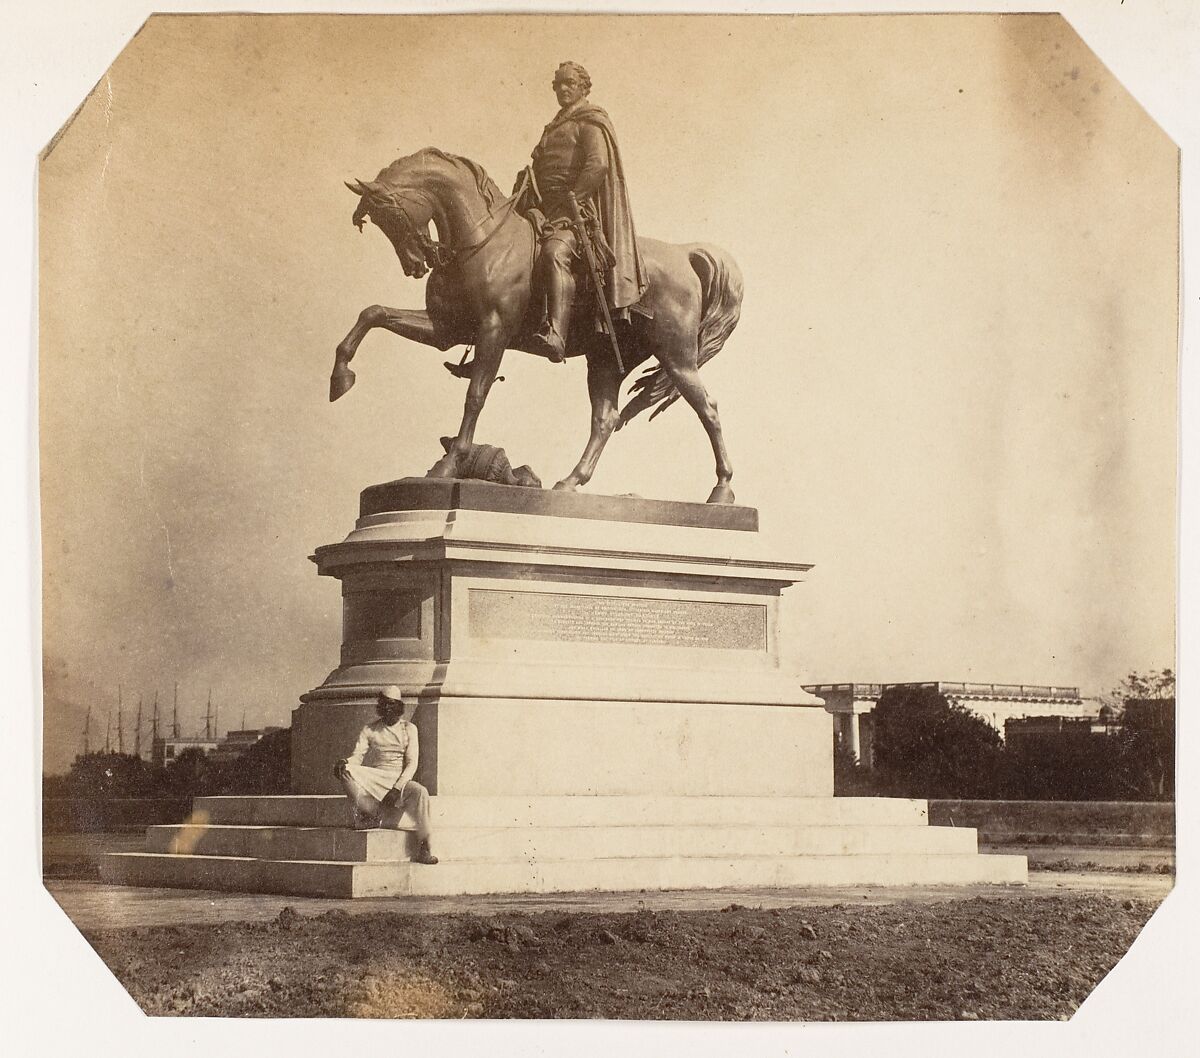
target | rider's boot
[
  {"x": 550, "y": 339},
  {"x": 549, "y": 343}
]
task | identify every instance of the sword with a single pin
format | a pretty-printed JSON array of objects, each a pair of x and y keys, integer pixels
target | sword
[{"x": 594, "y": 269}]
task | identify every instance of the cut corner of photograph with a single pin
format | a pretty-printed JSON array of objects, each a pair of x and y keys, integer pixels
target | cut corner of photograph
[{"x": 408, "y": 646}]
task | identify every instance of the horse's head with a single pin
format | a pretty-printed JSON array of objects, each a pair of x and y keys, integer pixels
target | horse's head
[
  {"x": 403, "y": 215},
  {"x": 429, "y": 185}
]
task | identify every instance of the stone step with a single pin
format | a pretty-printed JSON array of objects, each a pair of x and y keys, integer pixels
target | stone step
[
  {"x": 617, "y": 874},
  {"x": 333, "y": 811},
  {"x": 556, "y": 843}
]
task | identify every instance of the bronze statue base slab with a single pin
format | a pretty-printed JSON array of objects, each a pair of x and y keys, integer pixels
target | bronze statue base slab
[{"x": 413, "y": 494}]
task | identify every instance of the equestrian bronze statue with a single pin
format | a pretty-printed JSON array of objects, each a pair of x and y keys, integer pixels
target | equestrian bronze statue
[{"x": 515, "y": 274}]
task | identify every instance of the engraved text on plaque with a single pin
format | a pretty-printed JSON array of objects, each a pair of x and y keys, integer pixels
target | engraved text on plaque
[{"x": 555, "y": 617}]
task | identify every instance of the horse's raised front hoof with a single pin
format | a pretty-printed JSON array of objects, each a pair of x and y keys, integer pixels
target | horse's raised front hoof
[
  {"x": 340, "y": 381},
  {"x": 566, "y": 485},
  {"x": 721, "y": 494},
  {"x": 446, "y": 467}
]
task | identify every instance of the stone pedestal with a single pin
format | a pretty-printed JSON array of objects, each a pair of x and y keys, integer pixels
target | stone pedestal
[
  {"x": 566, "y": 644},
  {"x": 303, "y": 846},
  {"x": 606, "y": 703}
]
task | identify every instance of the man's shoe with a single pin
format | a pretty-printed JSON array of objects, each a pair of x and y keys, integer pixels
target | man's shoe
[
  {"x": 424, "y": 855},
  {"x": 365, "y": 822}
]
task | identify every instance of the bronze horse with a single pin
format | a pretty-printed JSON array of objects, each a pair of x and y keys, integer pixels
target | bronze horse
[{"x": 480, "y": 292}]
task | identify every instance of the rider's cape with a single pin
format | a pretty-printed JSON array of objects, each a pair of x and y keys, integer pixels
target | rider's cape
[{"x": 626, "y": 279}]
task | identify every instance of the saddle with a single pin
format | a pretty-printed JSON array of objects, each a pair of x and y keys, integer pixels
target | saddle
[
  {"x": 544, "y": 229},
  {"x": 583, "y": 310}
]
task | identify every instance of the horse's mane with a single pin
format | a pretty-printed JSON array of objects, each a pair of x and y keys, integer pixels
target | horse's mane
[{"x": 492, "y": 194}]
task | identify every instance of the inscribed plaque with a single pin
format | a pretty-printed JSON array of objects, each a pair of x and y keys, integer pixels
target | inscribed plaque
[{"x": 565, "y": 618}]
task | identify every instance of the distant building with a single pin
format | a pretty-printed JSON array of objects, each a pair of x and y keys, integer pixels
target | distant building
[
  {"x": 221, "y": 750},
  {"x": 997, "y": 703},
  {"x": 851, "y": 704},
  {"x": 1025, "y": 730},
  {"x": 165, "y": 750},
  {"x": 235, "y": 743}
]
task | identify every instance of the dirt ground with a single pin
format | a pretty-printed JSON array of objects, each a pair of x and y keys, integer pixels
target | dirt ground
[{"x": 992, "y": 957}]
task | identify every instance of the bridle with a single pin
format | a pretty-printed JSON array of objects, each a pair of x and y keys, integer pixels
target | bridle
[{"x": 441, "y": 254}]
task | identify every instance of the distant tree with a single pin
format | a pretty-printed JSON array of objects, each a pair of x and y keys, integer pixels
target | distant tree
[
  {"x": 1063, "y": 767},
  {"x": 1140, "y": 686},
  {"x": 1146, "y": 761},
  {"x": 926, "y": 747},
  {"x": 265, "y": 768},
  {"x": 107, "y": 775},
  {"x": 188, "y": 774}
]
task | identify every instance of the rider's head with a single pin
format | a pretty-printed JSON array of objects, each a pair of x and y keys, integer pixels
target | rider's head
[{"x": 571, "y": 83}]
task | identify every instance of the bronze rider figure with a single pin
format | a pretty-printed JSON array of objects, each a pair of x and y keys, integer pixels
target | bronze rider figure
[{"x": 578, "y": 153}]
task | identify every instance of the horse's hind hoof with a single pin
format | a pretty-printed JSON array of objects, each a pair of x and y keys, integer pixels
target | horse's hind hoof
[{"x": 721, "y": 494}]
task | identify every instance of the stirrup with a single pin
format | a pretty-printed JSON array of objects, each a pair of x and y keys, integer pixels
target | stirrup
[
  {"x": 463, "y": 369},
  {"x": 543, "y": 340}
]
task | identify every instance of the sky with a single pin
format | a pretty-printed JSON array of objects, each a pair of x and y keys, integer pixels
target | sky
[{"x": 953, "y": 388}]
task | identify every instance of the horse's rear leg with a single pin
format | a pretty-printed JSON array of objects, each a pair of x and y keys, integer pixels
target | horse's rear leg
[
  {"x": 413, "y": 324},
  {"x": 687, "y": 381},
  {"x": 604, "y": 384}
]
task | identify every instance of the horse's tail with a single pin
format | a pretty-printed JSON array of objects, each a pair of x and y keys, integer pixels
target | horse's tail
[{"x": 721, "y": 308}]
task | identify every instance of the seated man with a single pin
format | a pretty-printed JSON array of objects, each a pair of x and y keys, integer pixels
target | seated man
[{"x": 378, "y": 774}]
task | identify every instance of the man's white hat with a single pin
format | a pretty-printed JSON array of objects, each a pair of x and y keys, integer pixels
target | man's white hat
[{"x": 392, "y": 693}]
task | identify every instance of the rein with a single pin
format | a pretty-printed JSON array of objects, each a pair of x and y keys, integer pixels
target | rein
[{"x": 443, "y": 255}]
